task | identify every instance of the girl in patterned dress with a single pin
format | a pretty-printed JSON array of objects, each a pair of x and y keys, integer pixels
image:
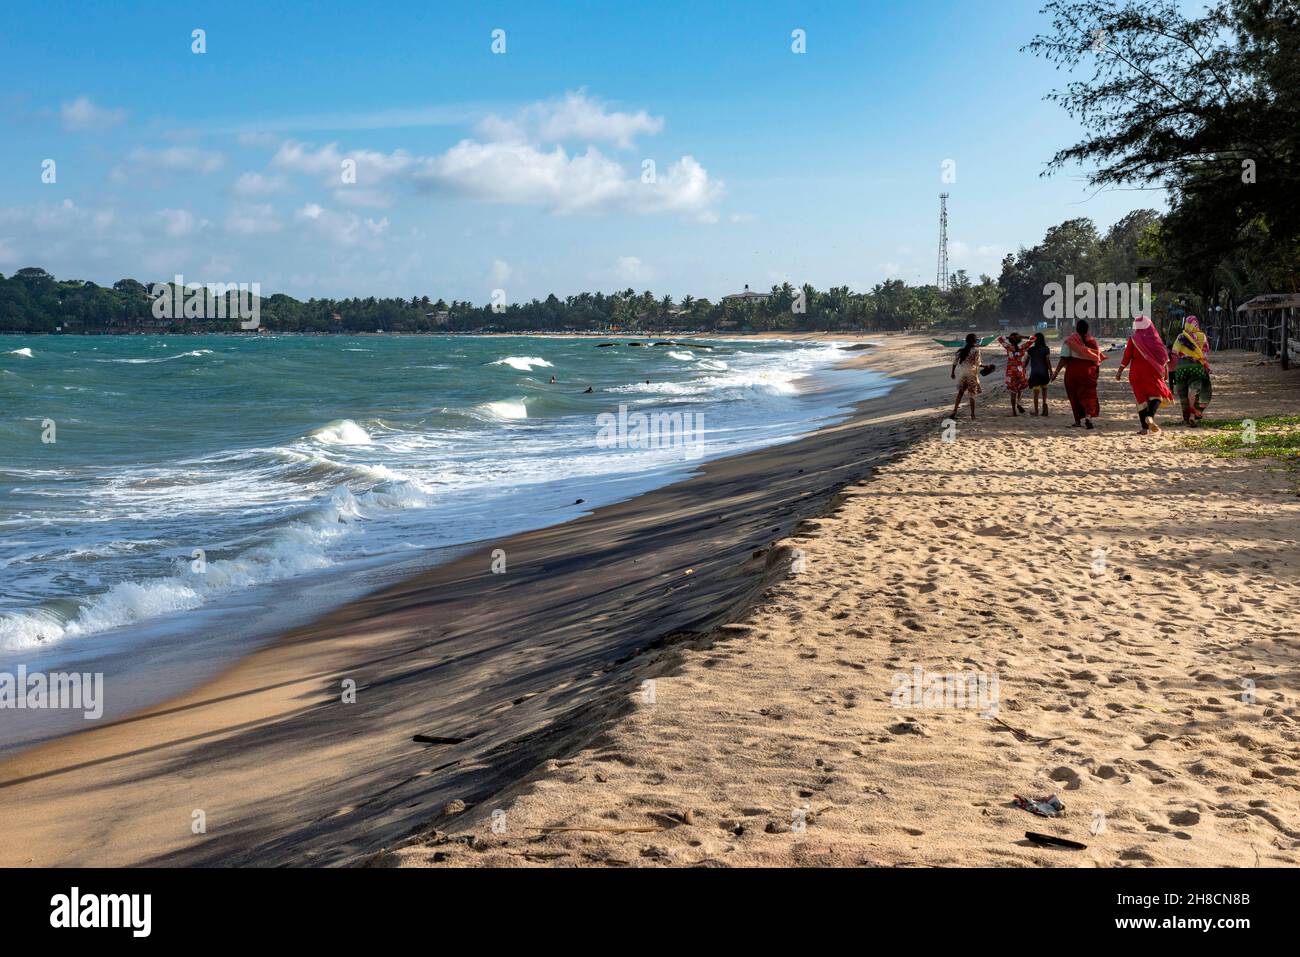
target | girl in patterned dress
[
  {"x": 1016, "y": 380},
  {"x": 968, "y": 383}
]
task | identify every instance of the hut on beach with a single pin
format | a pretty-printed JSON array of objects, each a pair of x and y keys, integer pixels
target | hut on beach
[{"x": 1267, "y": 324}]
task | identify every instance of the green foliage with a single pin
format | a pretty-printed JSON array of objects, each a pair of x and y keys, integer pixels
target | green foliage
[
  {"x": 1206, "y": 106},
  {"x": 1276, "y": 436}
]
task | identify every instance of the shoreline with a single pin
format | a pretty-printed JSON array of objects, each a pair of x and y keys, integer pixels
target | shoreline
[
  {"x": 236, "y": 624},
  {"x": 1130, "y": 599},
  {"x": 286, "y": 772}
]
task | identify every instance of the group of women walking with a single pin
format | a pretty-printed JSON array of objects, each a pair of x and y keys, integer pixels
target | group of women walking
[{"x": 1155, "y": 371}]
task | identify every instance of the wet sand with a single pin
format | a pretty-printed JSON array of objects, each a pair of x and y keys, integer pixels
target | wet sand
[
  {"x": 1135, "y": 598},
  {"x": 499, "y": 672}
]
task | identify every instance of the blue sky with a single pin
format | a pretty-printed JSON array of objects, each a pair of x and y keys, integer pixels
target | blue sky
[{"x": 524, "y": 170}]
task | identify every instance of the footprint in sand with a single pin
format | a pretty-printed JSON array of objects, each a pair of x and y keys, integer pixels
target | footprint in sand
[{"x": 1068, "y": 776}]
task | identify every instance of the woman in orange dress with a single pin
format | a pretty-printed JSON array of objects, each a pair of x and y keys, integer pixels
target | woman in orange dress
[{"x": 1081, "y": 357}]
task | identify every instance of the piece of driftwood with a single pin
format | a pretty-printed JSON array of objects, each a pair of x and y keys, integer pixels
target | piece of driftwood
[
  {"x": 1052, "y": 841},
  {"x": 436, "y": 739},
  {"x": 600, "y": 830},
  {"x": 1025, "y": 735}
]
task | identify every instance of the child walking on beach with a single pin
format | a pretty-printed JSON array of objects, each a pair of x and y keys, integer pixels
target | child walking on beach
[
  {"x": 968, "y": 384},
  {"x": 1040, "y": 369},
  {"x": 1016, "y": 380}
]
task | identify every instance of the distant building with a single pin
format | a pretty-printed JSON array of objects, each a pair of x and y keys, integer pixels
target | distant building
[
  {"x": 747, "y": 296},
  {"x": 438, "y": 317}
]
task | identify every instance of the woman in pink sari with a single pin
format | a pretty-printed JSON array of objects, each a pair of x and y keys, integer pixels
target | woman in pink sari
[
  {"x": 1081, "y": 357},
  {"x": 1147, "y": 360}
]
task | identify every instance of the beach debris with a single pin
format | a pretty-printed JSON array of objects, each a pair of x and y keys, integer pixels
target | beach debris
[
  {"x": 579, "y": 501},
  {"x": 1025, "y": 735},
  {"x": 438, "y": 739},
  {"x": 598, "y": 830},
  {"x": 453, "y": 807},
  {"x": 1053, "y": 841},
  {"x": 1049, "y": 806}
]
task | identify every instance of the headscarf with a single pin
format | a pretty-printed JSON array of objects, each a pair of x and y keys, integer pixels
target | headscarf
[
  {"x": 1191, "y": 342},
  {"x": 1147, "y": 342},
  {"x": 1087, "y": 350}
]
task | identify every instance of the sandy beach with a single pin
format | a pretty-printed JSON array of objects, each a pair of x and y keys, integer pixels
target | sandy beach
[
  {"x": 464, "y": 680},
  {"x": 709, "y": 674},
  {"x": 1134, "y": 598}
]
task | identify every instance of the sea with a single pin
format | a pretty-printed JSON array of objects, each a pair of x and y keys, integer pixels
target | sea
[{"x": 172, "y": 500}]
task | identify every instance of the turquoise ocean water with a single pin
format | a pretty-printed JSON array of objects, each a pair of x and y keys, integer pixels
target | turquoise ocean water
[{"x": 192, "y": 477}]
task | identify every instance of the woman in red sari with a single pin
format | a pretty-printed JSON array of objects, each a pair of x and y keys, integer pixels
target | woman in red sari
[
  {"x": 1081, "y": 357},
  {"x": 1147, "y": 360}
]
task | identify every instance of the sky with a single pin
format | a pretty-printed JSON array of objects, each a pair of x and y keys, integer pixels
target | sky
[{"x": 387, "y": 149}]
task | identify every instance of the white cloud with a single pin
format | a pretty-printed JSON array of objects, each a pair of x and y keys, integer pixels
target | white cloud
[
  {"x": 83, "y": 115},
  {"x": 62, "y": 218},
  {"x": 504, "y": 172},
  {"x": 251, "y": 219},
  {"x": 253, "y": 185},
  {"x": 50, "y": 235},
  {"x": 387, "y": 119},
  {"x": 362, "y": 198},
  {"x": 631, "y": 269},
  {"x": 511, "y": 166},
  {"x": 179, "y": 222},
  {"x": 257, "y": 138},
  {"x": 501, "y": 271},
  {"x": 173, "y": 159},
  {"x": 342, "y": 229},
  {"x": 574, "y": 118},
  {"x": 372, "y": 167}
]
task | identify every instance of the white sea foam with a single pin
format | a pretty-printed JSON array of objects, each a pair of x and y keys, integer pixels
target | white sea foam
[
  {"x": 300, "y": 546},
  {"x": 512, "y": 409},
  {"x": 21, "y": 352},
  {"x": 523, "y": 363},
  {"x": 342, "y": 432},
  {"x": 183, "y": 355},
  {"x": 346, "y": 490}
]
